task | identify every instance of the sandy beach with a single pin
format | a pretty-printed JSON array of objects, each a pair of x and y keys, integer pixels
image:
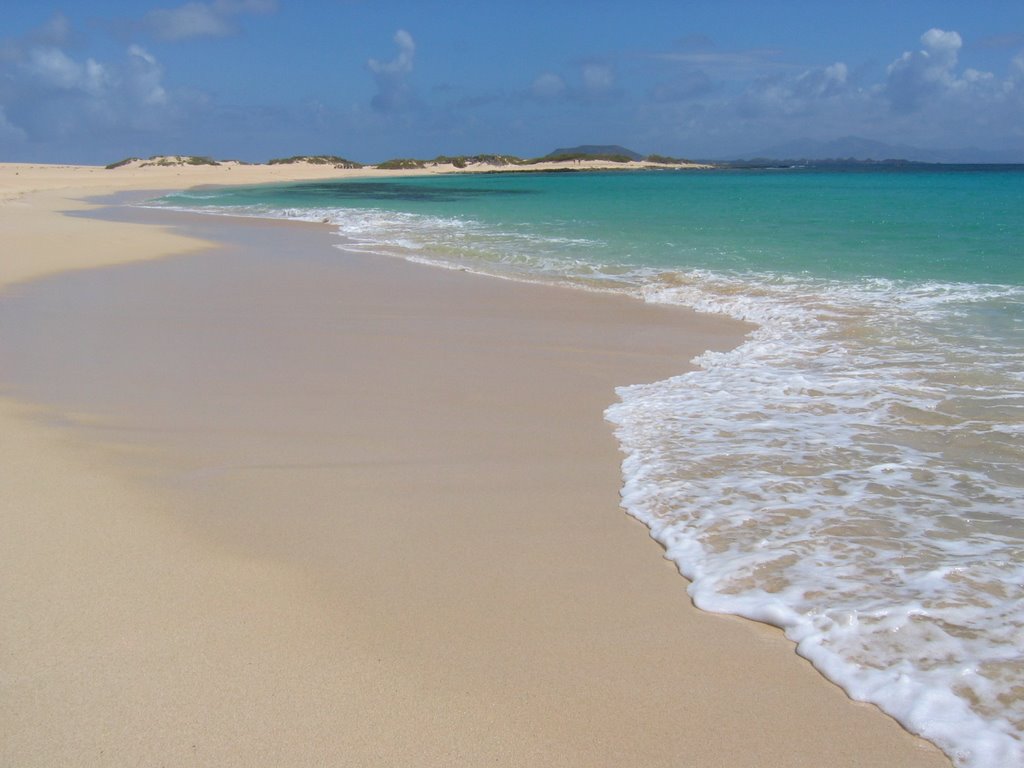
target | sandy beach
[{"x": 270, "y": 503}]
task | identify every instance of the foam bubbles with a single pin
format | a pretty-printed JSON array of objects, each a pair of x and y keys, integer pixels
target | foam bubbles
[{"x": 840, "y": 475}]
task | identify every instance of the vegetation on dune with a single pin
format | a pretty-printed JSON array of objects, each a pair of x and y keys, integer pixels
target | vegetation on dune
[
  {"x": 502, "y": 161},
  {"x": 337, "y": 162},
  {"x": 402, "y": 164},
  {"x": 496, "y": 161},
  {"x": 598, "y": 151},
  {"x": 166, "y": 160},
  {"x": 579, "y": 156},
  {"x": 458, "y": 161},
  {"x": 665, "y": 160},
  {"x": 461, "y": 161},
  {"x": 121, "y": 163}
]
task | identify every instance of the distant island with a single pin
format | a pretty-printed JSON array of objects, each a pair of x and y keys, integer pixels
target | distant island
[
  {"x": 594, "y": 157},
  {"x": 583, "y": 157},
  {"x": 596, "y": 150},
  {"x": 861, "y": 149}
]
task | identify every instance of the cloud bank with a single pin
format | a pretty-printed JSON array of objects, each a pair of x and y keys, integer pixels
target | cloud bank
[
  {"x": 922, "y": 96},
  {"x": 48, "y": 96}
]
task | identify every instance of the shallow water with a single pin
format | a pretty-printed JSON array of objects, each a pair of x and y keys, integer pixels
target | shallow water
[{"x": 853, "y": 472}]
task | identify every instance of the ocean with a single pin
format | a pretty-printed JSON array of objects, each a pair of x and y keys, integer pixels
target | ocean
[{"x": 853, "y": 472}]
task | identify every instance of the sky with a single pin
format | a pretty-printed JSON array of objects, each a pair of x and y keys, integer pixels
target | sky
[{"x": 96, "y": 81}]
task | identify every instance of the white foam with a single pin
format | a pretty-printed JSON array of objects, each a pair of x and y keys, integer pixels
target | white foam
[{"x": 812, "y": 479}]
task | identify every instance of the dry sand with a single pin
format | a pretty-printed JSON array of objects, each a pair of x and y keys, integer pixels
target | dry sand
[{"x": 397, "y": 543}]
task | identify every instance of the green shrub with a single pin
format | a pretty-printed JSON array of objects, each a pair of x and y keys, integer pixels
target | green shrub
[
  {"x": 337, "y": 162},
  {"x": 665, "y": 160},
  {"x": 169, "y": 160},
  {"x": 121, "y": 163},
  {"x": 402, "y": 164},
  {"x": 580, "y": 156},
  {"x": 461, "y": 161}
]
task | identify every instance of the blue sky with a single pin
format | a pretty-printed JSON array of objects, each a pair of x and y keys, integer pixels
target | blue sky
[{"x": 253, "y": 79}]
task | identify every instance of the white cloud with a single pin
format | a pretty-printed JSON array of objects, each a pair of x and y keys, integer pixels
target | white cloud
[
  {"x": 943, "y": 46},
  {"x": 145, "y": 77},
  {"x": 824, "y": 83},
  {"x": 393, "y": 90},
  {"x": 198, "y": 19},
  {"x": 52, "y": 68},
  {"x": 1017, "y": 67},
  {"x": 917, "y": 76},
  {"x": 932, "y": 101},
  {"x": 596, "y": 80},
  {"x": 548, "y": 86},
  {"x": 95, "y": 77},
  {"x": 402, "y": 63},
  {"x": 814, "y": 91},
  {"x": 49, "y": 96},
  {"x": 926, "y": 97}
]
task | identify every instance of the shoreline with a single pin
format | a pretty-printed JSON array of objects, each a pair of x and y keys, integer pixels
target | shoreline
[{"x": 566, "y": 653}]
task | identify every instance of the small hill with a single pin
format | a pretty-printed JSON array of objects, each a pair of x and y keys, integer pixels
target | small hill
[
  {"x": 595, "y": 150},
  {"x": 462, "y": 161},
  {"x": 164, "y": 160},
  {"x": 334, "y": 160}
]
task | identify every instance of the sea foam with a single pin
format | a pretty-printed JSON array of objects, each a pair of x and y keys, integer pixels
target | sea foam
[{"x": 840, "y": 475}]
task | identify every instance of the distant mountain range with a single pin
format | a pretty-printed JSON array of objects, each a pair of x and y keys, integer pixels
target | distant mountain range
[{"x": 858, "y": 148}]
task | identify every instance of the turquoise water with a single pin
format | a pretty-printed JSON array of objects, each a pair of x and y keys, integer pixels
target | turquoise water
[
  {"x": 854, "y": 472},
  {"x": 948, "y": 225}
]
